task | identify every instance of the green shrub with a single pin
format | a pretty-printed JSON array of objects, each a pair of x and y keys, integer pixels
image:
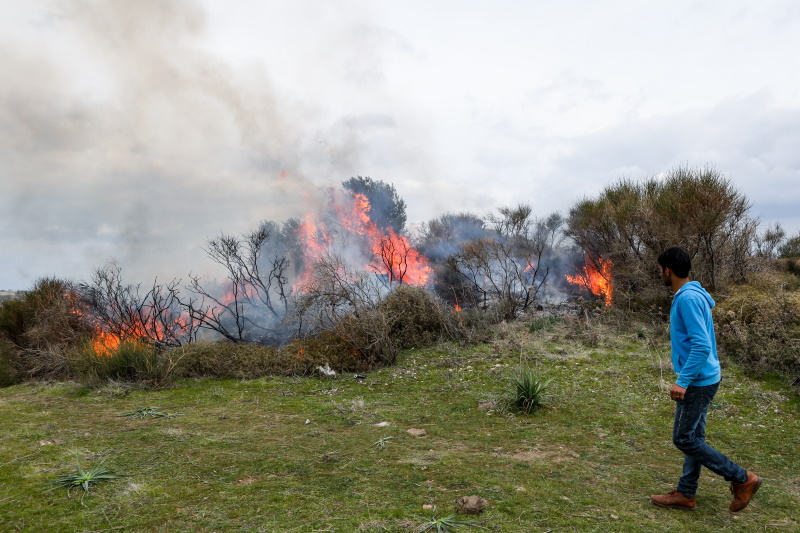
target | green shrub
[
  {"x": 249, "y": 361},
  {"x": 541, "y": 323},
  {"x": 328, "y": 348},
  {"x": 8, "y": 363},
  {"x": 414, "y": 315},
  {"x": 221, "y": 360},
  {"x": 232, "y": 360},
  {"x": 46, "y": 327},
  {"x": 130, "y": 361},
  {"x": 790, "y": 265},
  {"x": 759, "y": 325},
  {"x": 12, "y": 320}
]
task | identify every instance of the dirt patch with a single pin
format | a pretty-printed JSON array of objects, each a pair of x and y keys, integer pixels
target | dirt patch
[
  {"x": 555, "y": 455},
  {"x": 249, "y": 480}
]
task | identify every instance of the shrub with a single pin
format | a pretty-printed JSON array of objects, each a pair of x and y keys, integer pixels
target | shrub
[
  {"x": 528, "y": 393},
  {"x": 12, "y": 320},
  {"x": 632, "y": 222},
  {"x": 130, "y": 361},
  {"x": 541, "y": 323},
  {"x": 790, "y": 248},
  {"x": 415, "y": 317},
  {"x": 250, "y": 361},
  {"x": 8, "y": 363},
  {"x": 222, "y": 360},
  {"x": 759, "y": 325},
  {"x": 509, "y": 267},
  {"x": 45, "y": 326},
  {"x": 789, "y": 264}
]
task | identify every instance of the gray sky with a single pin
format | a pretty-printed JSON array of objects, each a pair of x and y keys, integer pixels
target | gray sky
[{"x": 134, "y": 131}]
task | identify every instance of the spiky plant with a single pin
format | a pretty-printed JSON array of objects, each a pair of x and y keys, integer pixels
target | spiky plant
[
  {"x": 149, "y": 412},
  {"x": 447, "y": 524},
  {"x": 382, "y": 443},
  {"x": 528, "y": 395},
  {"x": 84, "y": 478}
]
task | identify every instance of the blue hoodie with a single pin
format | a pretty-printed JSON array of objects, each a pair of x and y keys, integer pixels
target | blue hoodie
[{"x": 694, "y": 347}]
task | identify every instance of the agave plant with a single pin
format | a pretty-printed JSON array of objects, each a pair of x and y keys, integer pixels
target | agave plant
[
  {"x": 447, "y": 524},
  {"x": 149, "y": 412},
  {"x": 529, "y": 390},
  {"x": 382, "y": 443},
  {"x": 84, "y": 478}
]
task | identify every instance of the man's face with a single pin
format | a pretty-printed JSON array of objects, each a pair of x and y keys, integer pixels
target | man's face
[{"x": 666, "y": 276}]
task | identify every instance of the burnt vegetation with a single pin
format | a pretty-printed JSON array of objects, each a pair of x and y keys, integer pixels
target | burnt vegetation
[{"x": 347, "y": 289}]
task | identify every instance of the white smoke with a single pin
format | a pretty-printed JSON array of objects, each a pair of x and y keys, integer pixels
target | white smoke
[{"x": 148, "y": 144}]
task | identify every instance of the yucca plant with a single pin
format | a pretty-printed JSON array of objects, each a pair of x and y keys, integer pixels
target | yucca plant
[
  {"x": 83, "y": 478},
  {"x": 448, "y": 523},
  {"x": 528, "y": 395},
  {"x": 382, "y": 443},
  {"x": 149, "y": 412}
]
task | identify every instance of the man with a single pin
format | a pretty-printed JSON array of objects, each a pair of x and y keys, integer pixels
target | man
[{"x": 694, "y": 359}]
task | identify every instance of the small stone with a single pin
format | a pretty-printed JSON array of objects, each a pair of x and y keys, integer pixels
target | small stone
[
  {"x": 427, "y": 507},
  {"x": 308, "y": 421},
  {"x": 417, "y": 432},
  {"x": 382, "y": 424},
  {"x": 615, "y": 517}
]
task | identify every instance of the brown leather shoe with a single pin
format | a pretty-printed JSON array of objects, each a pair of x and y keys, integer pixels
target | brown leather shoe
[
  {"x": 674, "y": 499},
  {"x": 742, "y": 492}
]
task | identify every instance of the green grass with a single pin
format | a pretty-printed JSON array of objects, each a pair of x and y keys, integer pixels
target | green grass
[{"x": 300, "y": 455}]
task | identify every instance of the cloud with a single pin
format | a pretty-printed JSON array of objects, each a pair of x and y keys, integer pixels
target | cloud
[{"x": 748, "y": 139}]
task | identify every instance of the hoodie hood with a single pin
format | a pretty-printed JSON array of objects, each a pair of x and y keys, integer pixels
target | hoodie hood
[{"x": 695, "y": 287}]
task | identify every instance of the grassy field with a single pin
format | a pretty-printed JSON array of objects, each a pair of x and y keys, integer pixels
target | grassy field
[{"x": 334, "y": 454}]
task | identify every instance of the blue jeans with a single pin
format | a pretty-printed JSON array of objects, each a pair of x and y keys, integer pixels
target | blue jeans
[{"x": 689, "y": 436}]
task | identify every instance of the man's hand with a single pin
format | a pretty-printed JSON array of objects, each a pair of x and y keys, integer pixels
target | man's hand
[{"x": 677, "y": 392}]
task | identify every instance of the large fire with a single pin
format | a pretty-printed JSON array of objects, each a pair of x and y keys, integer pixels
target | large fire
[
  {"x": 598, "y": 281},
  {"x": 347, "y": 226},
  {"x": 391, "y": 254}
]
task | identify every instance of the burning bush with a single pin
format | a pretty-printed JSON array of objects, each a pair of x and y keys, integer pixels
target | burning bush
[
  {"x": 119, "y": 312},
  {"x": 631, "y": 222},
  {"x": 130, "y": 360},
  {"x": 507, "y": 269}
]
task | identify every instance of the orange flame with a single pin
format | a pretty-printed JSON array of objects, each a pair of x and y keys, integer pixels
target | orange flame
[
  {"x": 392, "y": 254},
  {"x": 598, "y": 282},
  {"x": 104, "y": 342}
]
